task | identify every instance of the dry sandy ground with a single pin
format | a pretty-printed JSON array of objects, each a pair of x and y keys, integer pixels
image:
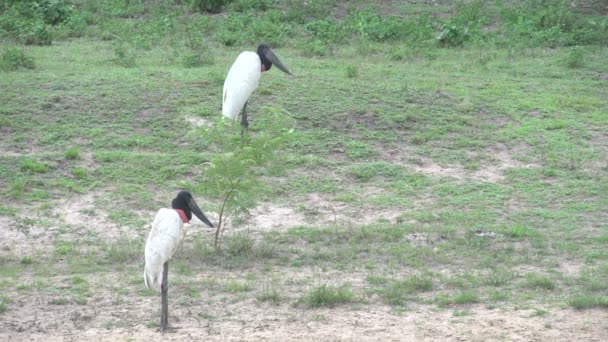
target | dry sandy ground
[
  {"x": 249, "y": 321},
  {"x": 213, "y": 318}
]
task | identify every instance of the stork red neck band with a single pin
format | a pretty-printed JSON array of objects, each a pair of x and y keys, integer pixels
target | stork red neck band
[{"x": 182, "y": 215}]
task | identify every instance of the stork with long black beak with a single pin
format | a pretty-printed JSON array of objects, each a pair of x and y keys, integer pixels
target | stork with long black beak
[
  {"x": 243, "y": 78},
  {"x": 165, "y": 236}
]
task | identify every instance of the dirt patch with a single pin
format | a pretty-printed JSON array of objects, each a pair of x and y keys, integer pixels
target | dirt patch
[
  {"x": 198, "y": 121},
  {"x": 492, "y": 171},
  {"x": 251, "y": 321}
]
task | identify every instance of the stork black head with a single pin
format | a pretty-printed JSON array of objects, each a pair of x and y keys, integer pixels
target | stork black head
[
  {"x": 185, "y": 202},
  {"x": 268, "y": 58}
]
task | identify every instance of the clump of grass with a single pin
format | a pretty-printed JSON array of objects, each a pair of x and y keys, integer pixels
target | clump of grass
[
  {"x": 576, "y": 57},
  {"x": 79, "y": 172},
  {"x": 4, "y": 302},
  {"x": 12, "y": 59},
  {"x": 26, "y": 260},
  {"x": 240, "y": 244},
  {"x": 466, "y": 298},
  {"x": 588, "y": 302},
  {"x": 399, "y": 291},
  {"x": 72, "y": 153},
  {"x": 124, "y": 55},
  {"x": 534, "y": 280},
  {"x": 325, "y": 295},
  {"x": 64, "y": 248},
  {"x": 234, "y": 286},
  {"x": 351, "y": 71},
  {"x": 33, "y": 166},
  {"x": 269, "y": 293},
  {"x": 58, "y": 301}
]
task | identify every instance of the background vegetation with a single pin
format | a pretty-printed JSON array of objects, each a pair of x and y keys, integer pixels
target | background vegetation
[{"x": 459, "y": 148}]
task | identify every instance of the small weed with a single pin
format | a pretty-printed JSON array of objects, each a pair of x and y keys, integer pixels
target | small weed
[
  {"x": 539, "y": 313},
  {"x": 58, "y": 301},
  {"x": 24, "y": 225},
  {"x": 72, "y": 153},
  {"x": 79, "y": 172},
  {"x": 462, "y": 313},
  {"x": 26, "y": 260}
]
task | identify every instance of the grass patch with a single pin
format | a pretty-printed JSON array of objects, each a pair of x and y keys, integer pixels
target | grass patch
[{"x": 327, "y": 295}]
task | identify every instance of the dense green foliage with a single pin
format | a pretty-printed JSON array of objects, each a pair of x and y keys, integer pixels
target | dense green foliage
[{"x": 522, "y": 23}]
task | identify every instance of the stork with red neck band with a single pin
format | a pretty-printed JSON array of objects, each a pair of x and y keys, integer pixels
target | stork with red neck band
[{"x": 165, "y": 236}]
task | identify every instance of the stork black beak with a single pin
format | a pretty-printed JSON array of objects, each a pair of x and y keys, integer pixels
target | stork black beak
[
  {"x": 198, "y": 212},
  {"x": 275, "y": 60}
]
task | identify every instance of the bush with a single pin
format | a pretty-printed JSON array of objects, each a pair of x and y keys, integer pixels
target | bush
[
  {"x": 13, "y": 59},
  {"x": 551, "y": 23},
  {"x": 30, "y": 22}
]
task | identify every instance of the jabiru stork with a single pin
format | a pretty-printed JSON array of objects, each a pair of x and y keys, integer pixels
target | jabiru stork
[
  {"x": 243, "y": 79},
  {"x": 165, "y": 236}
]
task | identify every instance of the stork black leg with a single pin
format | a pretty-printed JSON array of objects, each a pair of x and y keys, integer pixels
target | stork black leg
[
  {"x": 244, "y": 122},
  {"x": 164, "y": 308}
]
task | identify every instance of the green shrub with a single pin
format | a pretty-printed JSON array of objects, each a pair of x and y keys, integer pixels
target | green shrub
[
  {"x": 550, "y": 23},
  {"x": 30, "y": 22},
  {"x": 13, "y": 59},
  {"x": 453, "y": 35}
]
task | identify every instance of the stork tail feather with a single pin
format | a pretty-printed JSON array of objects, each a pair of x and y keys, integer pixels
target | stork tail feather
[{"x": 153, "y": 279}]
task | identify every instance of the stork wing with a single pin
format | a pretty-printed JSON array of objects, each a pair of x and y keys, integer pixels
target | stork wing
[
  {"x": 166, "y": 234},
  {"x": 241, "y": 81}
]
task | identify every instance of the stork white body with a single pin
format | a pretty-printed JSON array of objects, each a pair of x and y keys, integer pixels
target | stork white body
[
  {"x": 242, "y": 80},
  {"x": 243, "y": 77},
  {"x": 165, "y": 236}
]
